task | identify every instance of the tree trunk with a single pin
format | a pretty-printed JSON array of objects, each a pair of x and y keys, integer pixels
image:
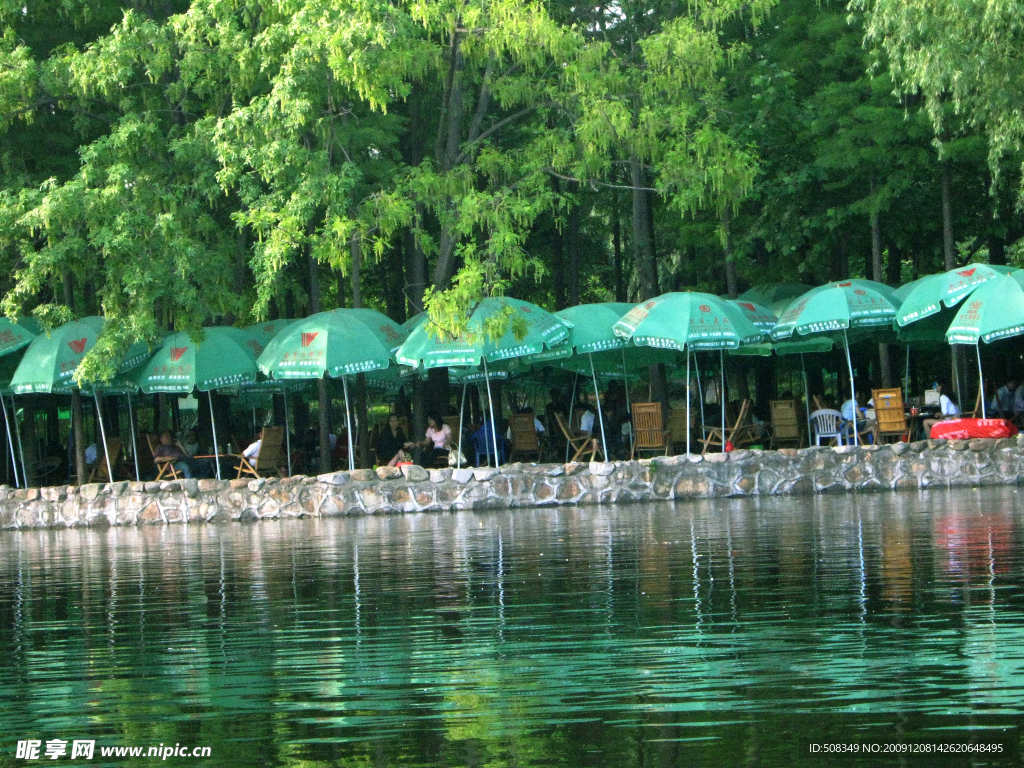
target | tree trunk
[
  {"x": 416, "y": 269},
  {"x": 948, "y": 243},
  {"x": 620, "y": 286},
  {"x": 78, "y": 430},
  {"x": 876, "y": 275},
  {"x": 323, "y": 398},
  {"x": 28, "y": 439},
  {"x": 643, "y": 258},
  {"x": 730, "y": 267},
  {"x": 573, "y": 260},
  {"x": 394, "y": 280},
  {"x": 996, "y": 250},
  {"x": 949, "y": 260}
]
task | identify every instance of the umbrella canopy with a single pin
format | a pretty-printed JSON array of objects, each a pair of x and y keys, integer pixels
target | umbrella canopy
[
  {"x": 224, "y": 357},
  {"x": 838, "y": 306},
  {"x": 994, "y": 311},
  {"x": 51, "y": 359},
  {"x": 692, "y": 321},
  {"x": 773, "y": 293},
  {"x": 531, "y": 330},
  {"x": 264, "y": 333},
  {"x": 930, "y": 293},
  {"x": 763, "y": 318},
  {"x": 335, "y": 343},
  {"x": 15, "y": 334}
]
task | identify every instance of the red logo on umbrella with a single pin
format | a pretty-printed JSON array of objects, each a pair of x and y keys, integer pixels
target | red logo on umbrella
[
  {"x": 843, "y": 285},
  {"x": 705, "y": 308},
  {"x": 307, "y": 338},
  {"x": 78, "y": 346},
  {"x": 177, "y": 352},
  {"x": 859, "y": 292},
  {"x": 748, "y": 307},
  {"x": 966, "y": 272},
  {"x": 255, "y": 346},
  {"x": 649, "y": 304}
]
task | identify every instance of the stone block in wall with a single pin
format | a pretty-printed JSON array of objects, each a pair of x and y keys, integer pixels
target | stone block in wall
[
  {"x": 389, "y": 473},
  {"x": 333, "y": 478},
  {"x": 415, "y": 473},
  {"x": 482, "y": 474},
  {"x": 463, "y": 475},
  {"x": 440, "y": 475}
]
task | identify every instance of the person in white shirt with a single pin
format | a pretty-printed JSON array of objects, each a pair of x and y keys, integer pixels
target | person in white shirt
[
  {"x": 587, "y": 420},
  {"x": 863, "y": 423},
  {"x": 254, "y": 449},
  {"x": 948, "y": 409}
]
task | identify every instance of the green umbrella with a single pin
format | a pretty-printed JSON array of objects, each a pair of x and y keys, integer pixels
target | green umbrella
[
  {"x": 264, "y": 333},
  {"x": 840, "y": 307},
  {"x": 51, "y": 359},
  {"x": 930, "y": 293},
  {"x": 224, "y": 357},
  {"x": 530, "y": 330},
  {"x": 774, "y": 293},
  {"x": 337, "y": 343},
  {"x": 690, "y": 321},
  {"x": 15, "y": 334}
]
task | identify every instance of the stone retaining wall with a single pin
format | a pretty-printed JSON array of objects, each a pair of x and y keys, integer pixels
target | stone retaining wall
[{"x": 925, "y": 464}]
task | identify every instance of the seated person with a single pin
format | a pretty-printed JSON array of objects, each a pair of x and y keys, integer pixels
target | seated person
[
  {"x": 436, "y": 443},
  {"x": 948, "y": 409},
  {"x": 483, "y": 439},
  {"x": 851, "y": 408},
  {"x": 253, "y": 450},
  {"x": 537, "y": 425},
  {"x": 391, "y": 443},
  {"x": 555, "y": 406},
  {"x": 169, "y": 449}
]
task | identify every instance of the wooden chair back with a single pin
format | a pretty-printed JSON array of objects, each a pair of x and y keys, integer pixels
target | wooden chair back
[
  {"x": 524, "y": 434},
  {"x": 580, "y": 444},
  {"x": 678, "y": 427},
  {"x": 889, "y": 414},
  {"x": 272, "y": 456},
  {"x": 649, "y": 428},
  {"x": 162, "y": 467},
  {"x": 787, "y": 426},
  {"x": 100, "y": 468}
]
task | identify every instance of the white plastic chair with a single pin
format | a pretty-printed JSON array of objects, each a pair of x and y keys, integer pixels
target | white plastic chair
[{"x": 827, "y": 423}]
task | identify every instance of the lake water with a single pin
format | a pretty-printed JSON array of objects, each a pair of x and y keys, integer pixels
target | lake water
[{"x": 721, "y": 633}]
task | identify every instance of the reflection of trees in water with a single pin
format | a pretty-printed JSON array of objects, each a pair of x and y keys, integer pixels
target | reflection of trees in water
[{"x": 597, "y": 635}]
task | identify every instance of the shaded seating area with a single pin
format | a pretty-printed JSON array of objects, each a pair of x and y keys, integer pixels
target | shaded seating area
[{"x": 271, "y": 458}]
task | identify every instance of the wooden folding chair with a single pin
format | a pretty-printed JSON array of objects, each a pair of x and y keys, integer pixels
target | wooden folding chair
[
  {"x": 819, "y": 403},
  {"x": 787, "y": 426},
  {"x": 580, "y": 443},
  {"x": 271, "y": 458},
  {"x": 739, "y": 433},
  {"x": 163, "y": 467},
  {"x": 100, "y": 467},
  {"x": 649, "y": 433},
  {"x": 524, "y": 435},
  {"x": 889, "y": 414}
]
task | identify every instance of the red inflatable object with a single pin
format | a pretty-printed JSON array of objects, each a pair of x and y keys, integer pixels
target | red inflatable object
[{"x": 962, "y": 429}]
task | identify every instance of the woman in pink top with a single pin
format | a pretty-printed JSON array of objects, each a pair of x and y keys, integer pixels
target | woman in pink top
[{"x": 435, "y": 445}]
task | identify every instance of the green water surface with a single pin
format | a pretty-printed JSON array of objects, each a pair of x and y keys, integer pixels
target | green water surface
[{"x": 719, "y": 633}]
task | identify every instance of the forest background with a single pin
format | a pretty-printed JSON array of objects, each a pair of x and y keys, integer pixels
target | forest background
[{"x": 173, "y": 164}]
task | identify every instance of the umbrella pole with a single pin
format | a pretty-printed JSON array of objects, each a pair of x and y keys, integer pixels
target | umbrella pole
[
  {"x": 597, "y": 397},
  {"x": 490, "y": 406},
  {"x": 572, "y": 403},
  {"x": 853, "y": 388},
  {"x": 807, "y": 397},
  {"x": 17, "y": 434},
  {"x": 625, "y": 378},
  {"x": 462, "y": 415},
  {"x": 213, "y": 428},
  {"x": 348, "y": 426},
  {"x": 981, "y": 380},
  {"x": 10, "y": 443},
  {"x": 103, "y": 435},
  {"x": 135, "y": 447},
  {"x": 906, "y": 375},
  {"x": 721, "y": 394},
  {"x": 700, "y": 387},
  {"x": 287, "y": 434},
  {"x": 687, "y": 402}
]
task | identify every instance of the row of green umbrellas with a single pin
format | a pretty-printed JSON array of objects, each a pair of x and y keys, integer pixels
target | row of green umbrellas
[{"x": 605, "y": 338}]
